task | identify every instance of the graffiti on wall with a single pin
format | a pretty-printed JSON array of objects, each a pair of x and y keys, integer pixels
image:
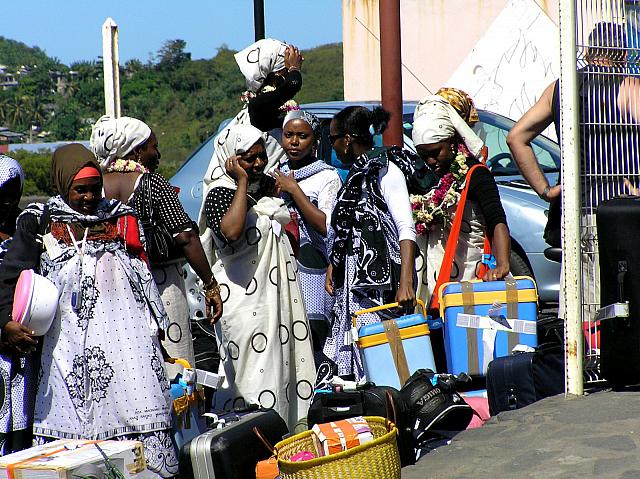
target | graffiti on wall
[{"x": 512, "y": 64}]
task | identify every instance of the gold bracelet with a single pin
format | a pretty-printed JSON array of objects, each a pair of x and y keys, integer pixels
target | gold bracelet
[
  {"x": 211, "y": 284},
  {"x": 210, "y": 293}
]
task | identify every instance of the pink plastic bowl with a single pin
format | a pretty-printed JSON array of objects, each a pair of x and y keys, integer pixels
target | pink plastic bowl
[{"x": 35, "y": 310}]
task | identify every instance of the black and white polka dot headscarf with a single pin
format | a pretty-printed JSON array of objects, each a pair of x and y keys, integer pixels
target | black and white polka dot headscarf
[{"x": 10, "y": 169}]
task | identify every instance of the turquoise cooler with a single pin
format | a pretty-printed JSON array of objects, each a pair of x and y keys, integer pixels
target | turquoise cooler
[
  {"x": 485, "y": 320},
  {"x": 377, "y": 358}
]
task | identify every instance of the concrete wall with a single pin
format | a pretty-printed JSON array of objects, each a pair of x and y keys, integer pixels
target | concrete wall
[{"x": 445, "y": 41}]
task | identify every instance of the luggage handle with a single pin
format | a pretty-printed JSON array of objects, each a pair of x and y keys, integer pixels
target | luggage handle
[
  {"x": 330, "y": 406},
  {"x": 265, "y": 442},
  {"x": 182, "y": 362},
  {"x": 390, "y": 411},
  {"x": 383, "y": 307}
]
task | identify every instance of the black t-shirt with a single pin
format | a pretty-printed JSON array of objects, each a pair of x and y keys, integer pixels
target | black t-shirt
[
  {"x": 484, "y": 191},
  {"x": 264, "y": 109}
]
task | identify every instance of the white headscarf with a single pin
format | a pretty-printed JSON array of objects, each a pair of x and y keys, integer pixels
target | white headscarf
[
  {"x": 259, "y": 59},
  {"x": 114, "y": 138},
  {"x": 9, "y": 169},
  {"x": 435, "y": 120},
  {"x": 233, "y": 140}
]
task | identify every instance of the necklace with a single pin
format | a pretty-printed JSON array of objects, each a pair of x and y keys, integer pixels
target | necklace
[
  {"x": 126, "y": 166},
  {"x": 434, "y": 207}
]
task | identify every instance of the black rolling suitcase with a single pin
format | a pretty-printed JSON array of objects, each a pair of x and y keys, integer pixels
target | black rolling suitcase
[
  {"x": 233, "y": 451},
  {"x": 370, "y": 401},
  {"x": 518, "y": 380},
  {"x": 618, "y": 224}
]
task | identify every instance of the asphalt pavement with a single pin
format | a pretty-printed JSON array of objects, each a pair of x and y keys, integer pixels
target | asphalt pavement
[{"x": 595, "y": 435}]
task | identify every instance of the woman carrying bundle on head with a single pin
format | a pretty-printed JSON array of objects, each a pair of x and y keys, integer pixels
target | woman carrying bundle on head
[
  {"x": 372, "y": 230},
  {"x": 272, "y": 75}
]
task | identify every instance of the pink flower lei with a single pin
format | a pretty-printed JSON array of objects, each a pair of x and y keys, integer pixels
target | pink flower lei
[{"x": 434, "y": 207}]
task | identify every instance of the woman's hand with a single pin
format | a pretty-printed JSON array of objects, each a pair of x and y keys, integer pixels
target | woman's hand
[
  {"x": 293, "y": 58},
  {"x": 406, "y": 297},
  {"x": 286, "y": 183},
  {"x": 234, "y": 170},
  {"x": 213, "y": 308},
  {"x": 631, "y": 188},
  {"x": 19, "y": 337},
  {"x": 328, "y": 280},
  {"x": 499, "y": 272}
]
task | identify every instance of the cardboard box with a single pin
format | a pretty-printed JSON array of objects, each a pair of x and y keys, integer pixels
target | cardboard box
[
  {"x": 338, "y": 436},
  {"x": 61, "y": 459}
]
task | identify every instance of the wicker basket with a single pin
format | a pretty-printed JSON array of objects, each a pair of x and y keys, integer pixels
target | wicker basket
[{"x": 378, "y": 458}]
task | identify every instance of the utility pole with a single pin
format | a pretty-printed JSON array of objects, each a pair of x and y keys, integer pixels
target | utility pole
[
  {"x": 258, "y": 19},
  {"x": 110, "y": 68},
  {"x": 391, "y": 69}
]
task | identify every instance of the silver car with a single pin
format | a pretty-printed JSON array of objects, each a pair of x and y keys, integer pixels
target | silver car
[{"x": 526, "y": 212}]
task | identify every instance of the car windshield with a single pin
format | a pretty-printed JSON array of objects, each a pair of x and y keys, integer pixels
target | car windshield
[{"x": 493, "y": 130}]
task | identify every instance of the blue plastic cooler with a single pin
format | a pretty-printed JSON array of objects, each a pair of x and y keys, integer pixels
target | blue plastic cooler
[
  {"x": 377, "y": 357},
  {"x": 485, "y": 320}
]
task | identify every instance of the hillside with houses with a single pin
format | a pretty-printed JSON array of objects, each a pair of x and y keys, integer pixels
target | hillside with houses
[{"x": 184, "y": 100}]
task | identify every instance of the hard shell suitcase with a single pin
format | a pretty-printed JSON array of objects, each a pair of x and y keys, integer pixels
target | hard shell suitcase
[
  {"x": 370, "y": 401},
  {"x": 618, "y": 222},
  {"x": 485, "y": 320},
  {"x": 233, "y": 451},
  {"x": 396, "y": 347},
  {"x": 521, "y": 379}
]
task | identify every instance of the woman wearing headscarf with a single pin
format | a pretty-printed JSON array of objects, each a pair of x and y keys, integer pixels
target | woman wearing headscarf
[
  {"x": 11, "y": 184},
  {"x": 265, "y": 343},
  {"x": 128, "y": 153},
  {"x": 444, "y": 140},
  {"x": 309, "y": 187},
  {"x": 372, "y": 231},
  {"x": 272, "y": 75},
  {"x": 101, "y": 373},
  {"x": 16, "y": 368}
]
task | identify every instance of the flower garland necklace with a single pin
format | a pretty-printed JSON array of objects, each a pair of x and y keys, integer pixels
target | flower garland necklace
[
  {"x": 433, "y": 207},
  {"x": 126, "y": 166}
]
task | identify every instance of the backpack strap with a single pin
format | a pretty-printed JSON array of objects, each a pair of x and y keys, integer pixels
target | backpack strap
[{"x": 452, "y": 243}]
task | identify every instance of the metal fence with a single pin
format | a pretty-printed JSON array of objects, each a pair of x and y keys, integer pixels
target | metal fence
[{"x": 608, "y": 136}]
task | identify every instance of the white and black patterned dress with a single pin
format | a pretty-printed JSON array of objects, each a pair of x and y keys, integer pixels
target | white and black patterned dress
[
  {"x": 264, "y": 334},
  {"x": 169, "y": 276},
  {"x": 101, "y": 373}
]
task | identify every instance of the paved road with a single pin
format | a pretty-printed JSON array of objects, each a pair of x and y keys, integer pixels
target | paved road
[{"x": 597, "y": 435}]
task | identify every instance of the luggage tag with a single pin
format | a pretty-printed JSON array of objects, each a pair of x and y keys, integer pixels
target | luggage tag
[
  {"x": 351, "y": 336},
  {"x": 51, "y": 245}
]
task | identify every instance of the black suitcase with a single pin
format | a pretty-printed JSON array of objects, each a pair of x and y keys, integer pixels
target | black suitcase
[
  {"x": 233, "y": 451},
  {"x": 370, "y": 401},
  {"x": 616, "y": 221},
  {"x": 521, "y": 379}
]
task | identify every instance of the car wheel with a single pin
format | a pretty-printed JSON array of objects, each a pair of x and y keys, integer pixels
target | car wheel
[{"x": 518, "y": 265}]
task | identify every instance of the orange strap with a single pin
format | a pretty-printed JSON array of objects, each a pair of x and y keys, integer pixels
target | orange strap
[
  {"x": 452, "y": 243},
  {"x": 12, "y": 467}
]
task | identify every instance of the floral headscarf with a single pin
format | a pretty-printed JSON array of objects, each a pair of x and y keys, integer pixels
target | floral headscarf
[
  {"x": 462, "y": 102},
  {"x": 10, "y": 169}
]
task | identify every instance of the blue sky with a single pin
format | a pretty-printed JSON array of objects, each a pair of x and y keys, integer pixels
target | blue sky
[{"x": 70, "y": 29}]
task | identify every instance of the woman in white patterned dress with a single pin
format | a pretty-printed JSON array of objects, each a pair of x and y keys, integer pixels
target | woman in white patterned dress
[
  {"x": 101, "y": 373},
  {"x": 265, "y": 344}
]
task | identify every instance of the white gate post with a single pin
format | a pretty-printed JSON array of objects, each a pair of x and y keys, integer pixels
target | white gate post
[
  {"x": 110, "y": 68},
  {"x": 571, "y": 253}
]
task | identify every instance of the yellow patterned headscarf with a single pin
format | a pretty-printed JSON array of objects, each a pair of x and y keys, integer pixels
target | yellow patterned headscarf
[{"x": 462, "y": 103}]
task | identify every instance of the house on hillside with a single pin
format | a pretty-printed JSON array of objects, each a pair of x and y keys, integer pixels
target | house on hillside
[
  {"x": 8, "y": 136},
  {"x": 7, "y": 81}
]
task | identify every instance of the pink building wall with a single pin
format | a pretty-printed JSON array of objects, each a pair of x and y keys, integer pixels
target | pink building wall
[{"x": 437, "y": 36}]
